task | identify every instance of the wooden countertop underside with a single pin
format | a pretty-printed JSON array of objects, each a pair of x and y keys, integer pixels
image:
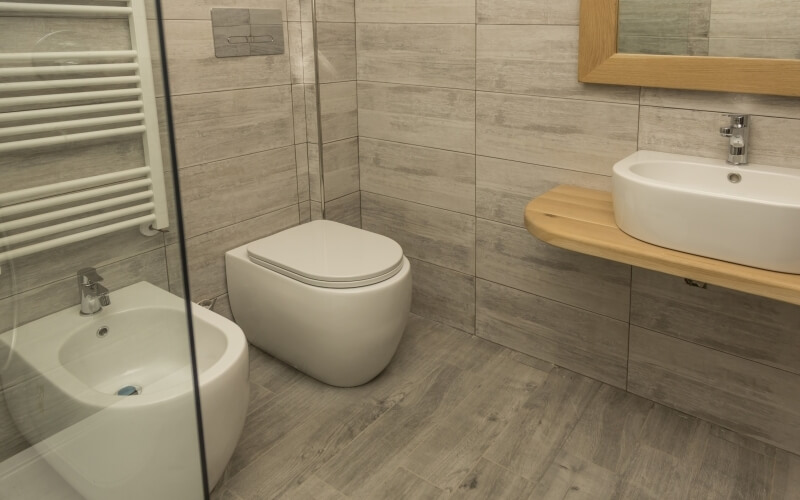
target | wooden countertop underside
[{"x": 582, "y": 220}]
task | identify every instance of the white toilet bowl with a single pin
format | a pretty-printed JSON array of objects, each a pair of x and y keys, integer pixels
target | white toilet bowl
[{"x": 329, "y": 299}]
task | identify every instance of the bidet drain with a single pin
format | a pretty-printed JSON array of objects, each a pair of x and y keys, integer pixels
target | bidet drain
[{"x": 130, "y": 390}]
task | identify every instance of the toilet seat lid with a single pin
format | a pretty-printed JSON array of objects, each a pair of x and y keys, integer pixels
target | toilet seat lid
[{"x": 327, "y": 253}]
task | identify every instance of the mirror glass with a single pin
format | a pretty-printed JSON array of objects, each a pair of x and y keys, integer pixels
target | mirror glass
[{"x": 720, "y": 28}]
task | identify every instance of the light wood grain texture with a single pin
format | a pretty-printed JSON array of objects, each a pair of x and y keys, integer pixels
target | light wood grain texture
[
  {"x": 438, "y": 55},
  {"x": 339, "y": 111},
  {"x": 723, "y": 102},
  {"x": 424, "y": 116},
  {"x": 340, "y": 11},
  {"x": 337, "y": 51},
  {"x": 582, "y": 220},
  {"x": 259, "y": 183},
  {"x": 443, "y": 295},
  {"x": 206, "y": 252},
  {"x": 489, "y": 480},
  {"x": 437, "y": 236},
  {"x": 301, "y": 159},
  {"x": 201, "y": 9},
  {"x": 745, "y": 396},
  {"x": 220, "y": 125},
  {"x": 416, "y": 11},
  {"x": 751, "y": 327},
  {"x": 786, "y": 477},
  {"x": 294, "y": 34},
  {"x": 599, "y": 62},
  {"x": 527, "y": 12},
  {"x": 538, "y": 60},
  {"x": 505, "y": 187},
  {"x": 585, "y": 342},
  {"x": 340, "y": 168},
  {"x": 509, "y": 256},
  {"x": 346, "y": 210},
  {"x": 194, "y": 68},
  {"x": 576, "y": 479},
  {"x": 435, "y": 177},
  {"x": 299, "y": 114},
  {"x": 555, "y": 132}
]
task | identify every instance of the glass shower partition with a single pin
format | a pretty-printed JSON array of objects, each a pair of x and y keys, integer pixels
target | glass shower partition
[{"x": 98, "y": 384}]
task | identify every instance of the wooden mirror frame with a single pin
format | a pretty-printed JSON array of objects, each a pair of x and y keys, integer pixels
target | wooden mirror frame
[{"x": 599, "y": 62}]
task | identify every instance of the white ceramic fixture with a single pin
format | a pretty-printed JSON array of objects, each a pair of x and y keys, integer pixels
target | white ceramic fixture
[
  {"x": 743, "y": 214},
  {"x": 326, "y": 298},
  {"x": 64, "y": 373}
]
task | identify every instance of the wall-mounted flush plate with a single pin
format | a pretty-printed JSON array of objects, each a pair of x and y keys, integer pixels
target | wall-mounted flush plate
[{"x": 247, "y": 32}]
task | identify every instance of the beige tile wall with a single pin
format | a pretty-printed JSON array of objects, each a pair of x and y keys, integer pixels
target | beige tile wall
[{"x": 452, "y": 147}]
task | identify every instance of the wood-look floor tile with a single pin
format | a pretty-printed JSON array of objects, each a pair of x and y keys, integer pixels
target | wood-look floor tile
[
  {"x": 570, "y": 477},
  {"x": 313, "y": 488},
  {"x": 489, "y": 480},
  {"x": 786, "y": 476},
  {"x": 403, "y": 484}
]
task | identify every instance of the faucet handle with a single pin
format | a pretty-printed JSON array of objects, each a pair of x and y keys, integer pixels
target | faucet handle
[
  {"x": 725, "y": 131},
  {"x": 738, "y": 121},
  {"x": 88, "y": 276}
]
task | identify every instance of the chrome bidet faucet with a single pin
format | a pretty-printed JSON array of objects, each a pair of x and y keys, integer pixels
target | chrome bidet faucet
[
  {"x": 94, "y": 296},
  {"x": 739, "y": 133}
]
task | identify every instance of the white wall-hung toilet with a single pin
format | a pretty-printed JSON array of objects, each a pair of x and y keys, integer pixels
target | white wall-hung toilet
[{"x": 329, "y": 299}]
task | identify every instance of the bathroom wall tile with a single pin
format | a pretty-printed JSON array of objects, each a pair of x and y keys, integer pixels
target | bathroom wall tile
[
  {"x": 538, "y": 60},
  {"x": 341, "y": 168},
  {"x": 222, "y": 125},
  {"x": 222, "y": 306},
  {"x": 443, "y": 295},
  {"x": 346, "y": 210},
  {"x": 201, "y": 9},
  {"x": 744, "y": 396},
  {"x": 425, "y": 116},
  {"x": 527, "y": 12},
  {"x": 439, "y": 55},
  {"x": 225, "y": 192},
  {"x": 301, "y": 158},
  {"x": 436, "y": 236},
  {"x": 510, "y": 256},
  {"x": 339, "y": 11},
  {"x": 305, "y": 211},
  {"x": 337, "y": 51},
  {"x": 299, "y": 114},
  {"x": 745, "y": 19},
  {"x": 339, "y": 111},
  {"x": 761, "y": 48},
  {"x": 434, "y": 177},
  {"x": 206, "y": 253},
  {"x": 175, "y": 270},
  {"x": 580, "y": 135},
  {"x": 21, "y": 34},
  {"x": 11, "y": 440},
  {"x": 741, "y": 324},
  {"x": 723, "y": 102},
  {"x": 582, "y": 341},
  {"x": 307, "y": 35},
  {"x": 296, "y": 59},
  {"x": 505, "y": 187},
  {"x": 696, "y": 133},
  {"x": 38, "y": 302},
  {"x": 194, "y": 68},
  {"x": 416, "y": 11}
]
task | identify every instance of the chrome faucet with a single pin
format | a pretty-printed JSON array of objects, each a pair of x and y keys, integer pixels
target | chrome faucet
[
  {"x": 739, "y": 133},
  {"x": 94, "y": 296}
]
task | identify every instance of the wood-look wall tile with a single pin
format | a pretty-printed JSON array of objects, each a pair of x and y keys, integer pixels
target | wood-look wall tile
[
  {"x": 225, "y": 192},
  {"x": 340, "y": 164},
  {"x": 747, "y": 397},
  {"x": 194, "y": 68},
  {"x": 416, "y": 11},
  {"x": 346, "y": 210},
  {"x": 505, "y": 187},
  {"x": 299, "y": 114},
  {"x": 206, "y": 253},
  {"x": 693, "y": 132},
  {"x": 425, "y": 116},
  {"x": 301, "y": 158},
  {"x": 309, "y": 67},
  {"x": 527, "y": 12},
  {"x": 339, "y": 103},
  {"x": 786, "y": 478},
  {"x": 435, "y": 177},
  {"x": 296, "y": 59},
  {"x": 220, "y": 125},
  {"x": 437, "y": 236},
  {"x": 305, "y": 211},
  {"x": 723, "y": 102},
  {"x": 337, "y": 52},
  {"x": 201, "y": 9},
  {"x": 580, "y": 135},
  {"x": 338, "y": 11},
  {"x": 511, "y": 256},
  {"x": 748, "y": 326},
  {"x": 53, "y": 297},
  {"x": 586, "y": 342},
  {"x": 21, "y": 33},
  {"x": 443, "y": 295},
  {"x": 175, "y": 273},
  {"x": 538, "y": 60},
  {"x": 568, "y": 474},
  {"x": 439, "y": 55}
]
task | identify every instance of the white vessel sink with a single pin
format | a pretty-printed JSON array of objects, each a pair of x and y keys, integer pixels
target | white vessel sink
[{"x": 749, "y": 215}]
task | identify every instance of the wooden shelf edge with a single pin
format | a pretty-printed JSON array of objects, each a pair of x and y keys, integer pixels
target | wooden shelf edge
[{"x": 547, "y": 219}]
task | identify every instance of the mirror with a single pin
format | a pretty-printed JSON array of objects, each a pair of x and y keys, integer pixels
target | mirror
[
  {"x": 749, "y": 46},
  {"x": 722, "y": 28}
]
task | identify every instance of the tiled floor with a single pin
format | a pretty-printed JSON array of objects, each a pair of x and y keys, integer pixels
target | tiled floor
[{"x": 455, "y": 416}]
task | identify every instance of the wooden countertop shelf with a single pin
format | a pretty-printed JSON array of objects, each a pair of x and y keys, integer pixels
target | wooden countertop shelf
[{"x": 582, "y": 220}]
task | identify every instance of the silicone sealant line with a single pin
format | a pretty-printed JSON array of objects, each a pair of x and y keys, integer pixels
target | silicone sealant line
[{"x": 317, "y": 93}]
